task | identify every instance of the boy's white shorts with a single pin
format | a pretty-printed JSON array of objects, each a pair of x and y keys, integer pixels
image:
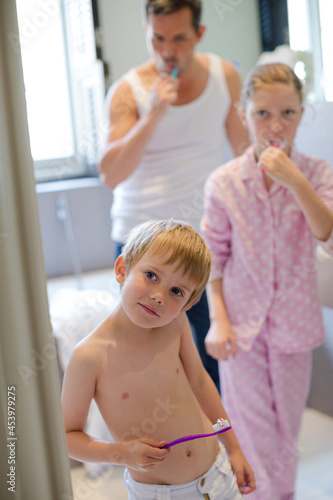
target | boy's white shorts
[{"x": 218, "y": 483}]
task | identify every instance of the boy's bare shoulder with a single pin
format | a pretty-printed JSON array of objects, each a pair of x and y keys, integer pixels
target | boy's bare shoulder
[
  {"x": 94, "y": 345},
  {"x": 180, "y": 324},
  {"x": 88, "y": 361}
]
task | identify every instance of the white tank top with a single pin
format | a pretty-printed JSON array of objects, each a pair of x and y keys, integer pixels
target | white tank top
[{"x": 184, "y": 148}]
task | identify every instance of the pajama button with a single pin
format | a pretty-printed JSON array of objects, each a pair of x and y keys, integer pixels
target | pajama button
[{"x": 202, "y": 482}]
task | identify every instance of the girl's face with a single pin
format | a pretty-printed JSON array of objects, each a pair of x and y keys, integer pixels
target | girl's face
[{"x": 272, "y": 116}]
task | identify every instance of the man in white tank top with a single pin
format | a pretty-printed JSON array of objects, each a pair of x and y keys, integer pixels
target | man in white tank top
[{"x": 168, "y": 122}]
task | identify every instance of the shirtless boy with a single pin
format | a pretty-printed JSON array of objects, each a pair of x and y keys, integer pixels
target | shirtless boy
[{"x": 143, "y": 370}]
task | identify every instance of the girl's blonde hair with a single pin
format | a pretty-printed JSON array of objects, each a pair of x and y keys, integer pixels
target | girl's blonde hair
[
  {"x": 179, "y": 242},
  {"x": 269, "y": 74}
]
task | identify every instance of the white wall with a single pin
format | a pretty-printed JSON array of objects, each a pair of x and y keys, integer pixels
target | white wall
[
  {"x": 314, "y": 138},
  {"x": 233, "y": 32},
  {"x": 89, "y": 247}
]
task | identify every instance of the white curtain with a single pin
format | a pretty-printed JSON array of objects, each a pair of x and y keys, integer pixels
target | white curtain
[{"x": 33, "y": 455}]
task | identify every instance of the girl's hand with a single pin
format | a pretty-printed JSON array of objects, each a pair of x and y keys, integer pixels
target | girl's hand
[
  {"x": 143, "y": 454},
  {"x": 278, "y": 166},
  {"x": 220, "y": 340},
  {"x": 244, "y": 473}
]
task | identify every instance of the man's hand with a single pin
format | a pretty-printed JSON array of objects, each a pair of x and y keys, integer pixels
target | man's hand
[{"x": 163, "y": 92}]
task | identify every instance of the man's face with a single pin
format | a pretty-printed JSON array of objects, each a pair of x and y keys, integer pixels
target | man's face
[{"x": 171, "y": 39}]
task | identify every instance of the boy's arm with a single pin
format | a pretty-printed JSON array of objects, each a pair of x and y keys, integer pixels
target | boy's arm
[
  {"x": 211, "y": 404},
  {"x": 130, "y": 134},
  {"x": 77, "y": 393}
]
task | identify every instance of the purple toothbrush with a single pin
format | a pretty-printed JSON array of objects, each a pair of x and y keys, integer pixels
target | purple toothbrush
[{"x": 220, "y": 426}]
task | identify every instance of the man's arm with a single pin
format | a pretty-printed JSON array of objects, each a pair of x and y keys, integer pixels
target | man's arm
[
  {"x": 237, "y": 134},
  {"x": 78, "y": 391},
  {"x": 130, "y": 134}
]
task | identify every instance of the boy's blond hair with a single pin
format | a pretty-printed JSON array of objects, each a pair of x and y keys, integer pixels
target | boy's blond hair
[
  {"x": 182, "y": 244},
  {"x": 269, "y": 74}
]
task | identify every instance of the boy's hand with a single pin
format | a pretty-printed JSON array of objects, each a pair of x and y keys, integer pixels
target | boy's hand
[
  {"x": 143, "y": 454},
  {"x": 220, "y": 340},
  {"x": 244, "y": 473}
]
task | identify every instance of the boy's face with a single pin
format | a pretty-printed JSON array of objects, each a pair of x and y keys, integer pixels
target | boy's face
[
  {"x": 153, "y": 293},
  {"x": 171, "y": 39}
]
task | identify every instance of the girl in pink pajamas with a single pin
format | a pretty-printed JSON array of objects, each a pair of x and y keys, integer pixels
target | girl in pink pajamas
[{"x": 265, "y": 211}]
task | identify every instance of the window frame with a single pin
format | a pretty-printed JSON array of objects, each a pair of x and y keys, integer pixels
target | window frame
[
  {"x": 275, "y": 31},
  {"x": 83, "y": 161},
  {"x": 315, "y": 49}
]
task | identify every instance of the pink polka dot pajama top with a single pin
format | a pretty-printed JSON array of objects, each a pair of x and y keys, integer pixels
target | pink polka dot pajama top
[{"x": 264, "y": 252}]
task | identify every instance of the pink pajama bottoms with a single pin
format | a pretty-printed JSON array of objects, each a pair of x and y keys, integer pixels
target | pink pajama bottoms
[{"x": 264, "y": 393}]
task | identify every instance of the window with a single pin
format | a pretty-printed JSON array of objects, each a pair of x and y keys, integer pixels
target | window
[
  {"x": 64, "y": 84},
  {"x": 274, "y": 23},
  {"x": 310, "y": 30},
  {"x": 326, "y": 16}
]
